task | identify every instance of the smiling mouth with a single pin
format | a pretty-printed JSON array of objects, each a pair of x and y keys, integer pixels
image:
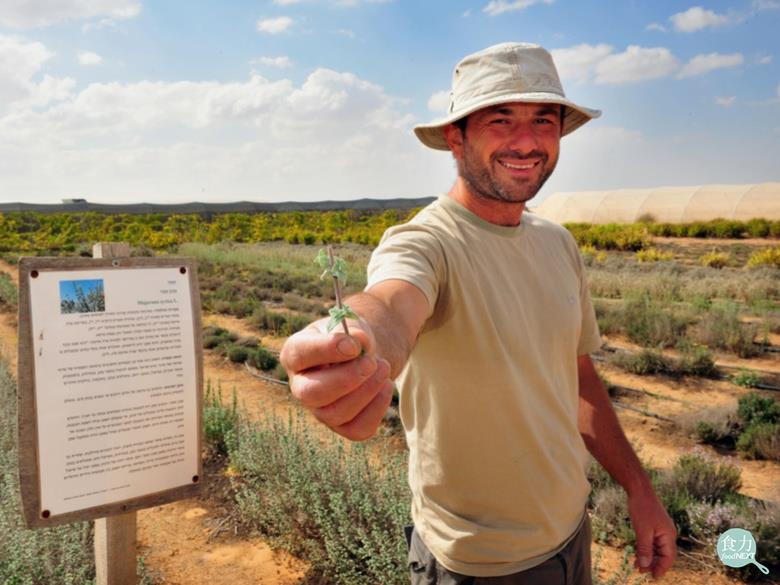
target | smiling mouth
[{"x": 518, "y": 166}]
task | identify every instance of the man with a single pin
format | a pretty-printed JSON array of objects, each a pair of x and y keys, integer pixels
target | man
[{"x": 482, "y": 312}]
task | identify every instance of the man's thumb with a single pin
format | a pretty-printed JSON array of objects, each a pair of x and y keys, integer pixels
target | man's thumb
[{"x": 644, "y": 549}]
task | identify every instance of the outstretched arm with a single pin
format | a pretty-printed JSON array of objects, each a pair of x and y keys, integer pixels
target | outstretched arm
[
  {"x": 600, "y": 429},
  {"x": 346, "y": 380}
]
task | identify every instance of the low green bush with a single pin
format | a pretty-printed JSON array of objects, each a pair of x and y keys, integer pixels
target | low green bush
[
  {"x": 645, "y": 362},
  {"x": 695, "y": 360},
  {"x": 760, "y": 441},
  {"x": 262, "y": 359},
  {"x": 721, "y": 328},
  {"x": 238, "y": 354},
  {"x": 746, "y": 378},
  {"x": 653, "y": 255},
  {"x": 220, "y": 422},
  {"x": 704, "y": 478},
  {"x": 649, "y": 324},
  {"x": 753, "y": 408},
  {"x": 714, "y": 259}
]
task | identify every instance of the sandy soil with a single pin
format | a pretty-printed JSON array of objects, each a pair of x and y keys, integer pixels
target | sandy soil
[{"x": 187, "y": 542}]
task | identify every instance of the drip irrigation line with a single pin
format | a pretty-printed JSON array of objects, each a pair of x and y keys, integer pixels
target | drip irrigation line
[{"x": 255, "y": 372}]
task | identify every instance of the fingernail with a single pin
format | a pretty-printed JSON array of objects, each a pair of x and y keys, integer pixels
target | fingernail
[
  {"x": 348, "y": 347},
  {"x": 644, "y": 562},
  {"x": 366, "y": 365}
]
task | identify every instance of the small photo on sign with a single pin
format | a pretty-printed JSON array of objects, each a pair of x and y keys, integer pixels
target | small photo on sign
[{"x": 82, "y": 296}]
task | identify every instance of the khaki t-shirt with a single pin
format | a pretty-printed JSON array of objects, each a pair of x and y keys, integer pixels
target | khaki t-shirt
[{"x": 489, "y": 396}]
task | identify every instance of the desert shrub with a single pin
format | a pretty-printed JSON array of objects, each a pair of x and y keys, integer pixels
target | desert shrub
[
  {"x": 653, "y": 255},
  {"x": 611, "y": 236},
  {"x": 707, "y": 520},
  {"x": 715, "y": 425},
  {"x": 62, "y": 555},
  {"x": 758, "y": 228},
  {"x": 714, "y": 259},
  {"x": 211, "y": 341},
  {"x": 590, "y": 255},
  {"x": 760, "y": 441},
  {"x": 767, "y": 257},
  {"x": 249, "y": 341},
  {"x": 341, "y": 508},
  {"x": 294, "y": 323},
  {"x": 704, "y": 478},
  {"x": 238, "y": 354},
  {"x": 262, "y": 359},
  {"x": 746, "y": 378},
  {"x": 608, "y": 316},
  {"x": 756, "y": 409},
  {"x": 695, "y": 360},
  {"x": 645, "y": 362},
  {"x": 219, "y": 421},
  {"x": 647, "y": 323},
  {"x": 610, "y": 521},
  {"x": 721, "y": 328},
  {"x": 8, "y": 293}
]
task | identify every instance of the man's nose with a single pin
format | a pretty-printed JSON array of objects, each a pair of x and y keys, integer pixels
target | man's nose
[{"x": 523, "y": 138}]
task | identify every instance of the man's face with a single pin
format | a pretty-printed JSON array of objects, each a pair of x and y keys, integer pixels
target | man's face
[{"x": 507, "y": 152}]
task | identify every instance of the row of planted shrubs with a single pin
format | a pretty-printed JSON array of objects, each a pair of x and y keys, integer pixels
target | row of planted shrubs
[
  {"x": 651, "y": 323},
  {"x": 636, "y": 236},
  {"x": 713, "y": 259},
  {"x": 241, "y": 350},
  {"x": 342, "y": 507},
  {"x": 752, "y": 426}
]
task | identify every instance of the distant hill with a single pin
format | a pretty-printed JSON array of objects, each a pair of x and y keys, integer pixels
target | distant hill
[{"x": 74, "y": 206}]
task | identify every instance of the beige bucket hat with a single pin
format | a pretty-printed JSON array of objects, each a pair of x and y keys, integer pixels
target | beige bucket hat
[{"x": 509, "y": 72}]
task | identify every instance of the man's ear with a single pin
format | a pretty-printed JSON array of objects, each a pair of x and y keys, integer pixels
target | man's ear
[{"x": 454, "y": 137}]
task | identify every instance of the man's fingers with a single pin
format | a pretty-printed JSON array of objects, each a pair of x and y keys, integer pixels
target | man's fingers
[
  {"x": 364, "y": 425},
  {"x": 665, "y": 553},
  {"x": 311, "y": 348},
  {"x": 350, "y": 405},
  {"x": 319, "y": 387}
]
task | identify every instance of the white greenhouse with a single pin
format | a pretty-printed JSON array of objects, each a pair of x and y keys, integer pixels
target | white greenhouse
[{"x": 664, "y": 204}]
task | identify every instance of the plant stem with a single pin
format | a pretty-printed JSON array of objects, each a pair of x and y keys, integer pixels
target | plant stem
[{"x": 337, "y": 287}]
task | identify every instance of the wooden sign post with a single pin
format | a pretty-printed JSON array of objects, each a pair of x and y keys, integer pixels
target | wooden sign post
[{"x": 110, "y": 394}]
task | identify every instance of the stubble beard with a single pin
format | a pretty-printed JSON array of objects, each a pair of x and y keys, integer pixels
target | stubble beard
[{"x": 483, "y": 182}]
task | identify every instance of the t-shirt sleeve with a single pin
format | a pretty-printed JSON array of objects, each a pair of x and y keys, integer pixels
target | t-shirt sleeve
[
  {"x": 590, "y": 337},
  {"x": 412, "y": 254}
]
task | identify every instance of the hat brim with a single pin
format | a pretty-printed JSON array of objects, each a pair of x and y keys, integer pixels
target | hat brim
[{"x": 432, "y": 135}]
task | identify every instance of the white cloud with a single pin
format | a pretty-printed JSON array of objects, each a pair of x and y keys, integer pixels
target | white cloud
[
  {"x": 21, "y": 61},
  {"x": 275, "y": 26},
  {"x": 636, "y": 64},
  {"x": 726, "y": 100},
  {"x": 282, "y": 62},
  {"x": 331, "y": 137},
  {"x": 89, "y": 58},
  {"x": 698, "y": 18},
  {"x": 599, "y": 63},
  {"x": 36, "y": 13},
  {"x": 466, "y": 13},
  {"x": 656, "y": 26},
  {"x": 496, "y": 7},
  {"x": 701, "y": 64},
  {"x": 286, "y": 2},
  {"x": 763, "y": 59},
  {"x": 439, "y": 102},
  {"x": 579, "y": 63},
  {"x": 345, "y": 32}
]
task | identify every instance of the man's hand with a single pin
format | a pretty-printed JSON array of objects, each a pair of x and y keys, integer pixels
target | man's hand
[
  {"x": 656, "y": 536},
  {"x": 339, "y": 377}
]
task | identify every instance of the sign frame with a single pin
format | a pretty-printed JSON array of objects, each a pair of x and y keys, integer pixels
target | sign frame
[{"x": 27, "y": 431}]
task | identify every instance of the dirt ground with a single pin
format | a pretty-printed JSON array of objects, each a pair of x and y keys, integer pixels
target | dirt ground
[{"x": 190, "y": 543}]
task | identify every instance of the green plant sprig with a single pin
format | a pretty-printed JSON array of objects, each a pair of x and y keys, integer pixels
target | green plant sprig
[{"x": 337, "y": 269}]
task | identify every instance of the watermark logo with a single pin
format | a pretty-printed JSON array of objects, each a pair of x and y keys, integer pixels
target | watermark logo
[{"x": 737, "y": 548}]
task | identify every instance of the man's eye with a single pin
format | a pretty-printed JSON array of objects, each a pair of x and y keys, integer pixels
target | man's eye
[
  {"x": 544, "y": 121},
  {"x": 499, "y": 121}
]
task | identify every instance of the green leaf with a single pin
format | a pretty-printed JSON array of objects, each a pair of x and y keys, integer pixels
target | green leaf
[{"x": 338, "y": 315}]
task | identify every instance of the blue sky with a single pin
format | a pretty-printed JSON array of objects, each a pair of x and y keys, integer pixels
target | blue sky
[{"x": 272, "y": 100}]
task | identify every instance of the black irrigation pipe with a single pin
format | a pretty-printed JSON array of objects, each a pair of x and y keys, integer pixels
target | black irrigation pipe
[
  {"x": 642, "y": 411},
  {"x": 254, "y": 372}
]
